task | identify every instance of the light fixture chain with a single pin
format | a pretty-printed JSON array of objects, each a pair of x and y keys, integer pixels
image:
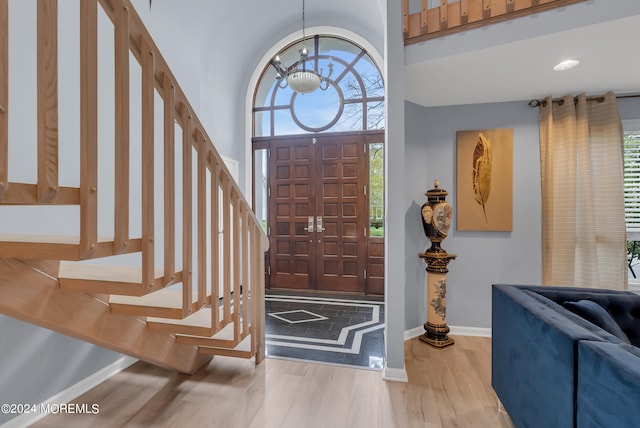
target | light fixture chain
[{"x": 303, "y": 32}]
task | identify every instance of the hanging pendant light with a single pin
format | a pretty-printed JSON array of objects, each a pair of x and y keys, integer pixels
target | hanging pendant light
[{"x": 300, "y": 79}]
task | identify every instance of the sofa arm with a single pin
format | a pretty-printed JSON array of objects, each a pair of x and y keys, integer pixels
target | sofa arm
[
  {"x": 608, "y": 385},
  {"x": 533, "y": 359}
]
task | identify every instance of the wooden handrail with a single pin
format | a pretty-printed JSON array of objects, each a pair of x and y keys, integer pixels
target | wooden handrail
[
  {"x": 461, "y": 15},
  {"x": 231, "y": 223}
]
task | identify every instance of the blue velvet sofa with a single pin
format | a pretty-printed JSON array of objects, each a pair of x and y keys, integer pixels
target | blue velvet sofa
[{"x": 552, "y": 368}]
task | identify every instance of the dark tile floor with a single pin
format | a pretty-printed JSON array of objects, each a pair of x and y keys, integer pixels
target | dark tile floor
[{"x": 340, "y": 330}]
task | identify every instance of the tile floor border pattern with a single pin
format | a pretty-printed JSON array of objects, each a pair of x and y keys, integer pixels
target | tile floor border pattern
[{"x": 349, "y": 341}]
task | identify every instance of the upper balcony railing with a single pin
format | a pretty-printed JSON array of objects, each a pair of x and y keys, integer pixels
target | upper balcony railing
[{"x": 455, "y": 16}]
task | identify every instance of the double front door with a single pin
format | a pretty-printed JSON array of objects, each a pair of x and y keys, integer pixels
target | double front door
[{"x": 318, "y": 213}]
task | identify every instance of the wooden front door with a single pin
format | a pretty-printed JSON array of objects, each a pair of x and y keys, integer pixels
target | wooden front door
[{"x": 318, "y": 219}]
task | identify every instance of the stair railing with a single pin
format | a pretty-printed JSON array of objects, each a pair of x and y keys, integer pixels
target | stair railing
[{"x": 230, "y": 241}]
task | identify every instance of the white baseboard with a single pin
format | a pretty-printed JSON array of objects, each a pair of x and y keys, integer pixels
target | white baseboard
[
  {"x": 413, "y": 333},
  {"x": 454, "y": 330},
  {"x": 470, "y": 331},
  {"x": 71, "y": 393},
  {"x": 395, "y": 375}
]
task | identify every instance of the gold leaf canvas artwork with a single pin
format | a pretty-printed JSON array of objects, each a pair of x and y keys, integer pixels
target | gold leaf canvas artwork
[{"x": 484, "y": 180}]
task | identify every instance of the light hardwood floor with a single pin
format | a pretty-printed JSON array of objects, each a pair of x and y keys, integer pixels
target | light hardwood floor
[{"x": 447, "y": 387}]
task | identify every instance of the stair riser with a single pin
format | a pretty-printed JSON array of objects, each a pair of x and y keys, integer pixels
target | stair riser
[{"x": 59, "y": 251}]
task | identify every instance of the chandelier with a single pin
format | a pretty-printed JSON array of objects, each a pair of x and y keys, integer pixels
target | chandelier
[{"x": 298, "y": 77}]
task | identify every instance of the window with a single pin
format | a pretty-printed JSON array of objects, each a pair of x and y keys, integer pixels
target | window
[
  {"x": 376, "y": 189},
  {"x": 632, "y": 192},
  {"x": 354, "y": 100}
]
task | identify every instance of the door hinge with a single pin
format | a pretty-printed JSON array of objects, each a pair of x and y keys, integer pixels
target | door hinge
[
  {"x": 364, "y": 148},
  {"x": 268, "y": 270},
  {"x": 365, "y": 190},
  {"x": 364, "y": 229},
  {"x": 269, "y": 192},
  {"x": 365, "y": 274}
]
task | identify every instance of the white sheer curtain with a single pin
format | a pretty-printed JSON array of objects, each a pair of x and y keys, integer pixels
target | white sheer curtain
[{"x": 581, "y": 168}]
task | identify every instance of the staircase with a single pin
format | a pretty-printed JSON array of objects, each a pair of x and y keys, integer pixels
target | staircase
[{"x": 186, "y": 286}]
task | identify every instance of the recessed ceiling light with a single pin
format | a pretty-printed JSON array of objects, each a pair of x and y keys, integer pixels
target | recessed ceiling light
[{"x": 566, "y": 65}]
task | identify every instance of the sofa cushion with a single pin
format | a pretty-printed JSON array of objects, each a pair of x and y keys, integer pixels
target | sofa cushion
[
  {"x": 596, "y": 314},
  {"x": 624, "y": 306}
]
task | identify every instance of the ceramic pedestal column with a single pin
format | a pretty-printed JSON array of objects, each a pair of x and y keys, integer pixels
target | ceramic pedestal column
[
  {"x": 436, "y": 220},
  {"x": 436, "y": 328}
]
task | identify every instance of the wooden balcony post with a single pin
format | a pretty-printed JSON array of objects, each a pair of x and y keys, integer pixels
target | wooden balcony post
[
  {"x": 424, "y": 17},
  {"x": 405, "y": 17},
  {"x": 464, "y": 12},
  {"x": 4, "y": 96},
  {"x": 122, "y": 129},
  {"x": 88, "y": 127},
  {"x": 444, "y": 15}
]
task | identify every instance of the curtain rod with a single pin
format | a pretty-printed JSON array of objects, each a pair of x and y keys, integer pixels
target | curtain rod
[{"x": 599, "y": 98}]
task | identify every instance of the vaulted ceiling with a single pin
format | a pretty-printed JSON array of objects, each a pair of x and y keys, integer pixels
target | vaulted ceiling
[{"x": 502, "y": 62}]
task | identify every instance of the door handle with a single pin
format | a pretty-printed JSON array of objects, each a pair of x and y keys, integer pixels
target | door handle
[
  {"x": 319, "y": 223},
  {"x": 309, "y": 227}
]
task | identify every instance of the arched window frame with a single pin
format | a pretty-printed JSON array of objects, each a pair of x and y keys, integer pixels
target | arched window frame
[{"x": 270, "y": 106}]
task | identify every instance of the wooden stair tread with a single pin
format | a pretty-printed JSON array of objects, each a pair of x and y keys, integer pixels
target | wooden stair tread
[
  {"x": 119, "y": 280},
  {"x": 223, "y": 339},
  {"x": 123, "y": 274},
  {"x": 168, "y": 298},
  {"x": 241, "y": 350},
  {"x": 201, "y": 318},
  {"x": 44, "y": 239}
]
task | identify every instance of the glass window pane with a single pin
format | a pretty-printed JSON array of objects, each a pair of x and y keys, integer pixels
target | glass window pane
[
  {"x": 283, "y": 97},
  {"x": 351, "y": 119},
  {"x": 265, "y": 88},
  {"x": 262, "y": 123},
  {"x": 317, "y": 109},
  {"x": 351, "y": 87},
  {"x": 284, "y": 124},
  {"x": 261, "y": 182},
  {"x": 338, "y": 48},
  {"x": 371, "y": 77},
  {"x": 375, "y": 115},
  {"x": 376, "y": 186}
]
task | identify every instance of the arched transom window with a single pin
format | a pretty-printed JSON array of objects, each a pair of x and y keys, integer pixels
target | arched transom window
[{"x": 354, "y": 100}]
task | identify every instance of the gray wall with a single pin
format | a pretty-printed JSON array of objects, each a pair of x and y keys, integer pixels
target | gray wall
[
  {"x": 36, "y": 364},
  {"x": 629, "y": 108},
  {"x": 484, "y": 258}
]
